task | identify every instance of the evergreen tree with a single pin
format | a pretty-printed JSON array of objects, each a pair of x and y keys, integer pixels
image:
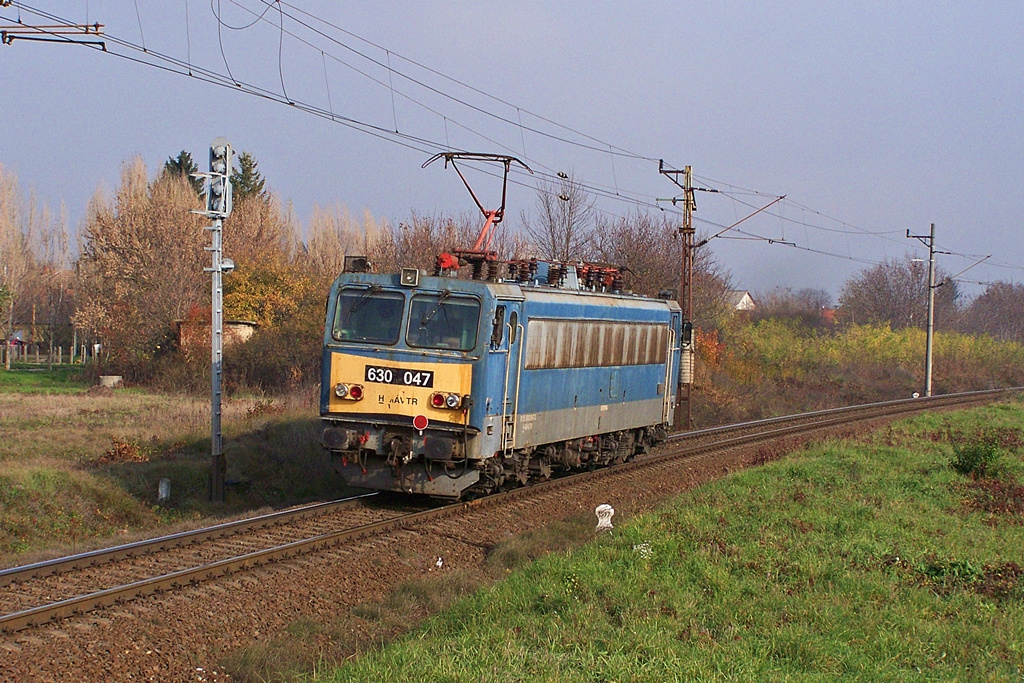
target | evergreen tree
[
  {"x": 246, "y": 179},
  {"x": 183, "y": 165}
]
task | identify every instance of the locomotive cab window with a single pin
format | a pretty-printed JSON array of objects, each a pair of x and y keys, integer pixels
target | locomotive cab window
[
  {"x": 368, "y": 315},
  {"x": 441, "y": 321}
]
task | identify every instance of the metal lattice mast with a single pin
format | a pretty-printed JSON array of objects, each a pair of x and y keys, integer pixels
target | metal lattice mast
[{"x": 218, "y": 207}]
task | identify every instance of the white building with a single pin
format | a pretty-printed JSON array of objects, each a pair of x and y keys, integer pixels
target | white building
[{"x": 740, "y": 300}]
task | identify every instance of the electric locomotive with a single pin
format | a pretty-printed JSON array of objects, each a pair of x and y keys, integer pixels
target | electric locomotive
[{"x": 444, "y": 386}]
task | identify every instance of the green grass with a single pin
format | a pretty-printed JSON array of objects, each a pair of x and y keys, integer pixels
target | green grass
[
  {"x": 868, "y": 560},
  {"x": 67, "y": 505},
  {"x": 25, "y": 377}
]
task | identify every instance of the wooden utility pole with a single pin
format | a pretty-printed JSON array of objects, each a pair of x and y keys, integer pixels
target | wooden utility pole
[{"x": 684, "y": 410}]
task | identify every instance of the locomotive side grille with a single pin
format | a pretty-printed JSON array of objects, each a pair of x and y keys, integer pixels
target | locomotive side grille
[{"x": 555, "y": 344}]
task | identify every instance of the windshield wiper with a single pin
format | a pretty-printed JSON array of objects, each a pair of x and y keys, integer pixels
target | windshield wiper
[
  {"x": 433, "y": 311},
  {"x": 363, "y": 299}
]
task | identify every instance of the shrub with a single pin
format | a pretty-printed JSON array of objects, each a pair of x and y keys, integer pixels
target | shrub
[
  {"x": 276, "y": 360},
  {"x": 976, "y": 458}
]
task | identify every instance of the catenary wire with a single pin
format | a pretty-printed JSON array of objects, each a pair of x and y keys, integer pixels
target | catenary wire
[{"x": 424, "y": 145}]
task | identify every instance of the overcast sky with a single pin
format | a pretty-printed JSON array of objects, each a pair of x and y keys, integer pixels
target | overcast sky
[{"x": 872, "y": 118}]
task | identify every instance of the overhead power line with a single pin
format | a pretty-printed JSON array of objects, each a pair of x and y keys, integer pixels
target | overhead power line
[
  {"x": 133, "y": 52},
  {"x": 599, "y": 145}
]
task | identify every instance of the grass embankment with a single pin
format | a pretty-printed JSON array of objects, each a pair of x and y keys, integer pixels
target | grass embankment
[
  {"x": 778, "y": 367},
  {"x": 79, "y": 465},
  {"x": 874, "y": 559}
]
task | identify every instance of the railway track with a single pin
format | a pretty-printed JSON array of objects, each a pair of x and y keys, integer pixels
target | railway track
[
  {"x": 44, "y": 592},
  {"x": 65, "y": 586}
]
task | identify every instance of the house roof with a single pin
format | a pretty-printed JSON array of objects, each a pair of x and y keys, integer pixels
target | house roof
[{"x": 740, "y": 300}]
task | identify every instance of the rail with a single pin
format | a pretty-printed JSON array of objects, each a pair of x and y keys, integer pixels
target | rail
[
  {"x": 138, "y": 548},
  {"x": 690, "y": 445}
]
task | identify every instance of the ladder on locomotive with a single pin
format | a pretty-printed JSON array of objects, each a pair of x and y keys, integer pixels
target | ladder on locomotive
[{"x": 510, "y": 403}]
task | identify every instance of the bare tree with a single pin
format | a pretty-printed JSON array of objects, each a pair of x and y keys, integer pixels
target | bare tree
[
  {"x": 50, "y": 290},
  {"x": 260, "y": 230},
  {"x": 896, "y": 292},
  {"x": 998, "y": 312},
  {"x": 417, "y": 242},
  {"x": 564, "y": 224},
  {"x": 333, "y": 234},
  {"x": 141, "y": 266},
  {"x": 650, "y": 250},
  {"x": 20, "y": 220},
  {"x": 647, "y": 248},
  {"x": 806, "y": 306}
]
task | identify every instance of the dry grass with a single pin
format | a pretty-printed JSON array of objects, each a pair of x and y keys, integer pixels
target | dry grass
[
  {"x": 81, "y": 470},
  {"x": 71, "y": 426}
]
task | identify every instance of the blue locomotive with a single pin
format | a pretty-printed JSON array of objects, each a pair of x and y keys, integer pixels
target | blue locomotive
[{"x": 445, "y": 386}]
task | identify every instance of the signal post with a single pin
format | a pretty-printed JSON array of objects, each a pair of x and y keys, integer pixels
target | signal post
[{"x": 218, "y": 207}]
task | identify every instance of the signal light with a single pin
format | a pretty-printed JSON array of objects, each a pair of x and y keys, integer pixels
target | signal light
[
  {"x": 437, "y": 400},
  {"x": 218, "y": 196},
  {"x": 355, "y": 392}
]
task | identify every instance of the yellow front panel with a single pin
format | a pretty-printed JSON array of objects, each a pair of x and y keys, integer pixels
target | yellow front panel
[{"x": 398, "y": 399}]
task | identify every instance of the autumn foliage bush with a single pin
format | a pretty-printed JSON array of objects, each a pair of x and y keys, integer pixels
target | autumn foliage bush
[
  {"x": 277, "y": 360},
  {"x": 777, "y": 366}
]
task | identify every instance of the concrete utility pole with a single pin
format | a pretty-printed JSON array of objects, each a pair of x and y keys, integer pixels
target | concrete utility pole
[
  {"x": 683, "y": 415},
  {"x": 218, "y": 207},
  {"x": 929, "y": 241}
]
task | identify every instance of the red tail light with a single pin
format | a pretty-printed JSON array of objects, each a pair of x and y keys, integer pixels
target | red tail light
[{"x": 355, "y": 392}]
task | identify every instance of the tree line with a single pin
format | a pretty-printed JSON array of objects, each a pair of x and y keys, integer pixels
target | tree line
[
  {"x": 894, "y": 293},
  {"x": 133, "y": 274}
]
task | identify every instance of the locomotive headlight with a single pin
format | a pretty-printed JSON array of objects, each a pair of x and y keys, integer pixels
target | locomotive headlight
[
  {"x": 340, "y": 390},
  {"x": 452, "y": 400}
]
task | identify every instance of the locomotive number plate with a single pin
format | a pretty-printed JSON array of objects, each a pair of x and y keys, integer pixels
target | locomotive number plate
[{"x": 407, "y": 378}]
